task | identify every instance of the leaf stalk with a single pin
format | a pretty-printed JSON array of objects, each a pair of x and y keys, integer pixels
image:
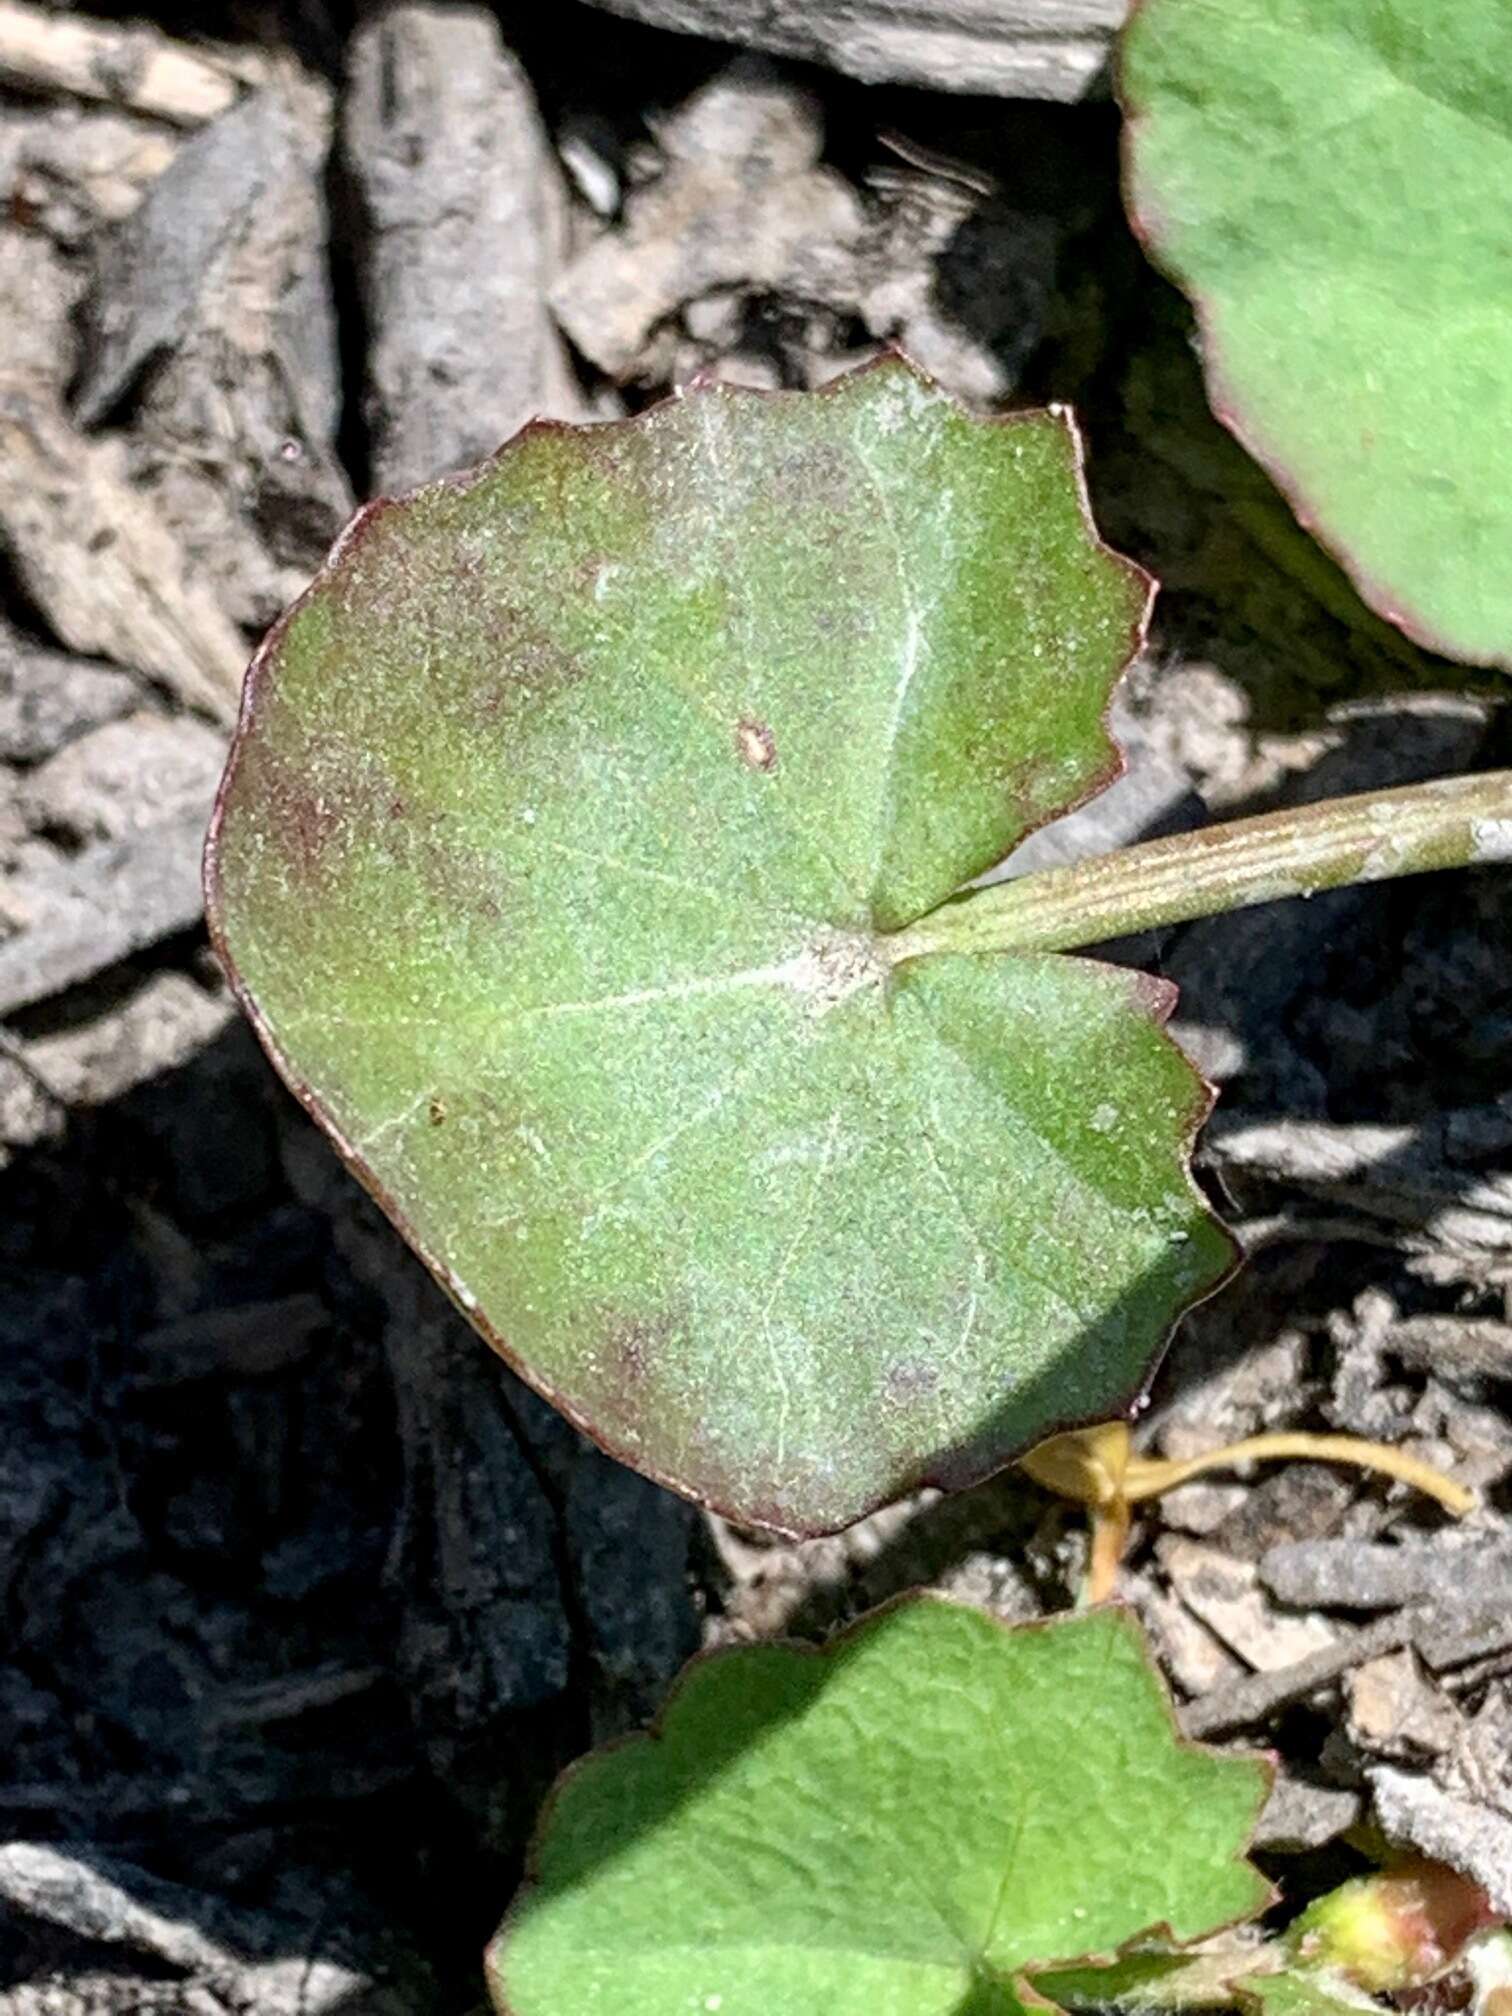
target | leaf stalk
[
  {"x": 1376, "y": 836},
  {"x": 1097, "y": 1467}
]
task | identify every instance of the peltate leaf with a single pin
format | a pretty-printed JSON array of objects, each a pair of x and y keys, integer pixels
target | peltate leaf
[
  {"x": 555, "y": 860},
  {"x": 1327, "y": 179},
  {"x": 906, "y": 1823}
]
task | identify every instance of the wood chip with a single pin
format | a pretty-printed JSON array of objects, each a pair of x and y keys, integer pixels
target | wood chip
[
  {"x": 125, "y": 776},
  {"x": 467, "y": 220},
  {"x": 254, "y": 1340},
  {"x": 1472, "y": 1346},
  {"x": 229, "y": 1958},
  {"x": 48, "y": 697},
  {"x": 1253, "y": 1701},
  {"x": 1007, "y": 48},
  {"x": 1300, "y": 1815},
  {"x": 46, "y": 49},
  {"x": 152, "y": 269},
  {"x": 1444, "y": 1639},
  {"x": 1471, "y": 1837},
  {"x": 743, "y": 200},
  {"x": 1194, "y": 1657},
  {"x": 83, "y": 915},
  {"x": 160, "y": 1026},
  {"x": 1396, "y": 1711},
  {"x": 1343, "y": 1574},
  {"x": 89, "y": 550},
  {"x": 1402, "y": 1177},
  {"x": 209, "y": 321},
  {"x": 1227, "y": 1596}
]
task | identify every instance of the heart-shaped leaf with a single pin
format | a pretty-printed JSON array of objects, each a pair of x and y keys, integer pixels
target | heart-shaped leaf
[
  {"x": 555, "y": 862},
  {"x": 1328, "y": 181},
  {"x": 906, "y": 1823}
]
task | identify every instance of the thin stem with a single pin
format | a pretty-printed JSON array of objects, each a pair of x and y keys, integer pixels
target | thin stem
[
  {"x": 1097, "y": 1467},
  {"x": 1110, "y": 1526},
  {"x": 1450, "y": 822},
  {"x": 1147, "y": 1476}
]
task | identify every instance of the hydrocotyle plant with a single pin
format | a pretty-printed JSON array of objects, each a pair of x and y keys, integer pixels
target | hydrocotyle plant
[
  {"x": 1327, "y": 182},
  {"x": 915, "y": 1819},
  {"x": 936, "y": 1815},
  {"x": 588, "y": 858}
]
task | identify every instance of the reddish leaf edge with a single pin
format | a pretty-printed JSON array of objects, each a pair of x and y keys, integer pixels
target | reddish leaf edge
[
  {"x": 1228, "y": 403},
  {"x": 690, "y": 1675},
  {"x": 947, "y": 1470}
]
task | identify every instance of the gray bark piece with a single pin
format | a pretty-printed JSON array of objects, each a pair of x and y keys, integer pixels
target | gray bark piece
[
  {"x": 73, "y": 170},
  {"x": 1445, "y": 1638},
  {"x": 153, "y": 267},
  {"x": 43, "y": 48},
  {"x": 251, "y": 1341},
  {"x": 1466, "y": 1347},
  {"x": 1226, "y": 1595},
  {"x": 104, "y": 567},
  {"x": 1406, "y": 1179},
  {"x": 1474, "y": 1838},
  {"x": 94, "y": 555},
  {"x": 1359, "y": 1575},
  {"x": 1247, "y": 1703},
  {"x": 1395, "y": 1711},
  {"x": 745, "y": 218},
  {"x": 233, "y": 1960},
  {"x": 742, "y": 201},
  {"x": 124, "y": 777},
  {"x": 467, "y": 218},
  {"x": 213, "y": 299},
  {"x": 48, "y": 697},
  {"x": 1004, "y": 48},
  {"x": 1299, "y": 1815},
  {"x": 161, "y": 1026},
  {"x": 79, "y": 917}
]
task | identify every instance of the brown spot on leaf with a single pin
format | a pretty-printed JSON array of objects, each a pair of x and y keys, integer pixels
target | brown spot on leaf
[
  {"x": 632, "y": 1353},
  {"x": 437, "y": 1110},
  {"x": 466, "y": 880},
  {"x": 1032, "y": 785},
  {"x": 314, "y": 806},
  {"x": 755, "y": 744},
  {"x": 308, "y": 816},
  {"x": 630, "y": 1350},
  {"x": 823, "y": 478},
  {"x": 911, "y": 1379},
  {"x": 531, "y": 666},
  {"x": 310, "y": 822}
]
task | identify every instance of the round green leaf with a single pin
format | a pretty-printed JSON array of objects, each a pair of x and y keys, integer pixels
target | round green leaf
[
  {"x": 555, "y": 860},
  {"x": 1328, "y": 180},
  {"x": 905, "y": 1823}
]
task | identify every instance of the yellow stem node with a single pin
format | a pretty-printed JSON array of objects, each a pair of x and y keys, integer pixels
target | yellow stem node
[{"x": 1096, "y": 1467}]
